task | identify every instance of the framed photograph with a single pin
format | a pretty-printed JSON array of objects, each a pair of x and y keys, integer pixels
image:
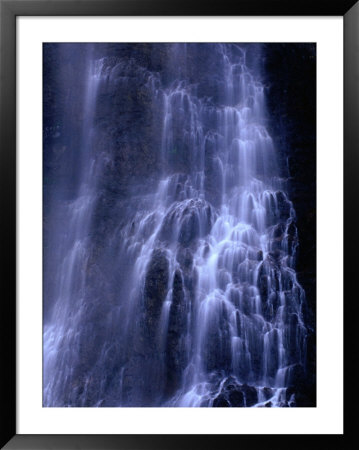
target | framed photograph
[{"x": 174, "y": 201}]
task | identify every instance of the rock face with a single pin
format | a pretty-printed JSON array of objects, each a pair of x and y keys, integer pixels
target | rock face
[
  {"x": 187, "y": 221},
  {"x": 158, "y": 187},
  {"x": 175, "y": 348},
  {"x": 291, "y": 76},
  {"x": 156, "y": 288},
  {"x": 234, "y": 394}
]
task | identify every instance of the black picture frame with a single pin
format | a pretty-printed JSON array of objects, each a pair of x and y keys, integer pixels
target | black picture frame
[{"x": 9, "y": 10}]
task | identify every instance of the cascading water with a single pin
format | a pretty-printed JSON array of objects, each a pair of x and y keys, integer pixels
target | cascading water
[
  {"x": 61, "y": 335},
  {"x": 205, "y": 307}
]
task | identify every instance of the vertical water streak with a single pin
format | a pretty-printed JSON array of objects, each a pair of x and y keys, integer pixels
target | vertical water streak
[{"x": 62, "y": 333}]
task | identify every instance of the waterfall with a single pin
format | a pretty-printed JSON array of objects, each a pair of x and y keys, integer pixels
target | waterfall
[
  {"x": 61, "y": 336},
  {"x": 205, "y": 306}
]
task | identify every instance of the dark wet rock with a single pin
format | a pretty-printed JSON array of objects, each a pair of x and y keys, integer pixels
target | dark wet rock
[
  {"x": 223, "y": 278},
  {"x": 234, "y": 296},
  {"x": 220, "y": 402},
  {"x": 155, "y": 290},
  {"x": 196, "y": 222},
  {"x": 230, "y": 394},
  {"x": 185, "y": 258},
  {"x": 275, "y": 255},
  {"x": 236, "y": 398},
  {"x": 283, "y": 205},
  {"x": 206, "y": 250},
  {"x": 190, "y": 229},
  {"x": 289, "y": 392},
  {"x": 175, "y": 351},
  {"x": 292, "y": 238},
  {"x": 191, "y": 218},
  {"x": 250, "y": 394},
  {"x": 288, "y": 282},
  {"x": 271, "y": 214},
  {"x": 236, "y": 394},
  {"x": 247, "y": 300},
  {"x": 268, "y": 405},
  {"x": 263, "y": 287},
  {"x": 278, "y": 231},
  {"x": 276, "y": 243},
  {"x": 268, "y": 393},
  {"x": 292, "y": 229},
  {"x": 239, "y": 323}
]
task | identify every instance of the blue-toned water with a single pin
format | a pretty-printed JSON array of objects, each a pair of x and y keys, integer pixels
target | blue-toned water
[{"x": 200, "y": 301}]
